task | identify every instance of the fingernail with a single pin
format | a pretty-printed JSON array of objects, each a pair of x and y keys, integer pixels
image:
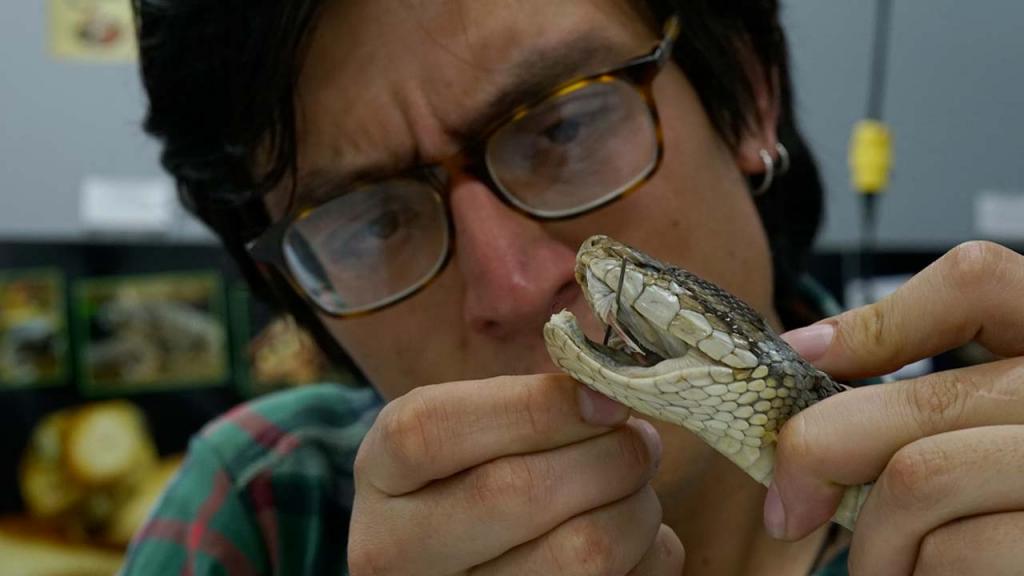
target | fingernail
[
  {"x": 651, "y": 438},
  {"x": 774, "y": 513},
  {"x": 811, "y": 342},
  {"x": 599, "y": 409}
]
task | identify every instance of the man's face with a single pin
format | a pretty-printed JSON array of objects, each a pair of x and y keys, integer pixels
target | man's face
[{"x": 392, "y": 83}]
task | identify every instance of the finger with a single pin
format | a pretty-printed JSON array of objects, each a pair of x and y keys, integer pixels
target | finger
[
  {"x": 486, "y": 511},
  {"x": 971, "y": 293},
  {"x": 849, "y": 438},
  {"x": 989, "y": 544},
  {"x": 666, "y": 557},
  {"x": 610, "y": 540},
  {"x": 436, "y": 431},
  {"x": 933, "y": 482}
]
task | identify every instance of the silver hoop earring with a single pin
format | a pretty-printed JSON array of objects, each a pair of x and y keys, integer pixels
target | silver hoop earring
[
  {"x": 783, "y": 158},
  {"x": 769, "y": 173}
]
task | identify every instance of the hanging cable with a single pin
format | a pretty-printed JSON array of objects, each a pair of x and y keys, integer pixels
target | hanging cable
[{"x": 871, "y": 149}]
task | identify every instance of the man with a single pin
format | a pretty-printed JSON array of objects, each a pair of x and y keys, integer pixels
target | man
[{"x": 413, "y": 178}]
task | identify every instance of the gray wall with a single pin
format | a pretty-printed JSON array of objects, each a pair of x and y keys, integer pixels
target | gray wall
[
  {"x": 954, "y": 103},
  {"x": 955, "y": 87},
  {"x": 60, "y": 122}
]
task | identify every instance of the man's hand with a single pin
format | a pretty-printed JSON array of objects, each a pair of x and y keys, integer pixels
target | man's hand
[
  {"x": 515, "y": 475},
  {"x": 947, "y": 449}
]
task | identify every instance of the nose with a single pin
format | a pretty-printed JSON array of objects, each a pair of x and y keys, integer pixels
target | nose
[{"x": 515, "y": 273}]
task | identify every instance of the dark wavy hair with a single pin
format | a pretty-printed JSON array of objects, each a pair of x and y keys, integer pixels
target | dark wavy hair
[{"x": 221, "y": 76}]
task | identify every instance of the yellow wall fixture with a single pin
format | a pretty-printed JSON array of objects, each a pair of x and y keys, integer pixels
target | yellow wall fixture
[{"x": 870, "y": 156}]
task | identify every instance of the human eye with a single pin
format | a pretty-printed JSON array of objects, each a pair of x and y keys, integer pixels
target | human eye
[
  {"x": 573, "y": 120},
  {"x": 383, "y": 226},
  {"x": 563, "y": 131},
  {"x": 372, "y": 235}
]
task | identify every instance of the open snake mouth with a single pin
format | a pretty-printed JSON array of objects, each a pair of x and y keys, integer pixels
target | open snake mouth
[
  {"x": 681, "y": 349},
  {"x": 619, "y": 355},
  {"x": 658, "y": 318},
  {"x": 633, "y": 297},
  {"x": 618, "y": 342}
]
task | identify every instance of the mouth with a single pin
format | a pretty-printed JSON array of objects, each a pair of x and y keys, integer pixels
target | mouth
[
  {"x": 658, "y": 318},
  {"x": 618, "y": 341},
  {"x": 634, "y": 298},
  {"x": 680, "y": 349}
]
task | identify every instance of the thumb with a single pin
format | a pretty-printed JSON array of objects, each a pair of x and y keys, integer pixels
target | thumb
[{"x": 861, "y": 343}]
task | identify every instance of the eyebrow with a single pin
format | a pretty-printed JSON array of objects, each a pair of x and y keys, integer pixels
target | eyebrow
[{"x": 535, "y": 73}]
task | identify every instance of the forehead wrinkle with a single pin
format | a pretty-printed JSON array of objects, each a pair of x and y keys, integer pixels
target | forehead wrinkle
[
  {"x": 435, "y": 107},
  {"x": 391, "y": 122},
  {"x": 501, "y": 63},
  {"x": 486, "y": 33},
  {"x": 531, "y": 76},
  {"x": 425, "y": 124},
  {"x": 444, "y": 40},
  {"x": 349, "y": 147}
]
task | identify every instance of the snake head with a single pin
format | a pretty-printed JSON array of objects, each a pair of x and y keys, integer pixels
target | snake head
[
  {"x": 685, "y": 352},
  {"x": 657, "y": 311}
]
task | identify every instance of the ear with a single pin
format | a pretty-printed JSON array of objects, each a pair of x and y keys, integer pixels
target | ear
[{"x": 761, "y": 133}]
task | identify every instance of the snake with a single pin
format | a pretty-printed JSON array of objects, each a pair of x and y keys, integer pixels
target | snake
[{"x": 682, "y": 350}]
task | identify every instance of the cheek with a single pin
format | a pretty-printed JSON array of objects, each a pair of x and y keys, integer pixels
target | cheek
[
  {"x": 373, "y": 348},
  {"x": 402, "y": 347},
  {"x": 697, "y": 211},
  {"x": 380, "y": 352}
]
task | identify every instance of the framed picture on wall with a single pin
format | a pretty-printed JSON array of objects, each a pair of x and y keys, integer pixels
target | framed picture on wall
[
  {"x": 274, "y": 352},
  {"x": 151, "y": 333},
  {"x": 33, "y": 329},
  {"x": 92, "y": 30}
]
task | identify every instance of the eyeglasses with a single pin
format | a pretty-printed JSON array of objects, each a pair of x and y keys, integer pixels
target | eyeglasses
[{"x": 586, "y": 144}]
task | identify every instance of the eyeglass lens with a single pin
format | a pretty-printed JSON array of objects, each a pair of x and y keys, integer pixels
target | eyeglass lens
[{"x": 379, "y": 242}]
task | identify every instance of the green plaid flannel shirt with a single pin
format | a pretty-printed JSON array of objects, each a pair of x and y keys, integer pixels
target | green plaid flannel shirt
[
  {"x": 265, "y": 489},
  {"x": 268, "y": 488}
]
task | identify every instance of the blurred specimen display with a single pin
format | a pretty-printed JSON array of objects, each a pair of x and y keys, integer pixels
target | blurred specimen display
[
  {"x": 276, "y": 352},
  {"x": 151, "y": 333},
  {"x": 93, "y": 472},
  {"x": 284, "y": 354},
  {"x": 29, "y": 548},
  {"x": 33, "y": 329}
]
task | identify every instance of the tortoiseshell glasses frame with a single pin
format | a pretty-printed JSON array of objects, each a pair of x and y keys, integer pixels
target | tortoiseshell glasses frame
[{"x": 589, "y": 142}]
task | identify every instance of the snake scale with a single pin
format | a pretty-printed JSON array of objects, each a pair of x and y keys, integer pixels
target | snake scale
[{"x": 685, "y": 351}]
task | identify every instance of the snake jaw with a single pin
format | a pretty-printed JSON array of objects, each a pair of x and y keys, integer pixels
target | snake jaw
[
  {"x": 722, "y": 373},
  {"x": 617, "y": 284},
  {"x": 685, "y": 382}
]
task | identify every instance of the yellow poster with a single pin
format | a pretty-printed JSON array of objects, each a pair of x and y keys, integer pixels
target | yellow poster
[{"x": 92, "y": 30}]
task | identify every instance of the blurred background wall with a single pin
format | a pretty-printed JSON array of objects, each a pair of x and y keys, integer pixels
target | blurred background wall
[
  {"x": 955, "y": 84},
  {"x": 60, "y": 123}
]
